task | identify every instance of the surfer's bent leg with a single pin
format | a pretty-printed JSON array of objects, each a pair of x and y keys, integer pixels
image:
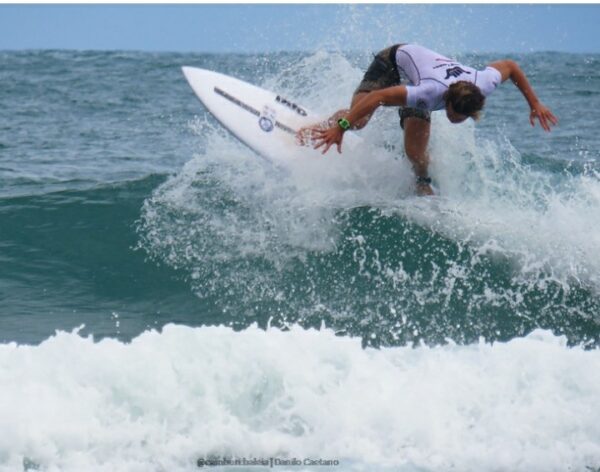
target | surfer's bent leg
[{"x": 417, "y": 126}]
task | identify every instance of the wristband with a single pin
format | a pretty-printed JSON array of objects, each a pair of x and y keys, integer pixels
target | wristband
[
  {"x": 344, "y": 124},
  {"x": 423, "y": 180}
]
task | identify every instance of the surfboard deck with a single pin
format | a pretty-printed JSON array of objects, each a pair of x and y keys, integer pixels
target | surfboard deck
[{"x": 265, "y": 121}]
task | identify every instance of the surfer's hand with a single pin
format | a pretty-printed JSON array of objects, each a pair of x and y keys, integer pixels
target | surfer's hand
[
  {"x": 304, "y": 136},
  {"x": 328, "y": 137},
  {"x": 544, "y": 115}
]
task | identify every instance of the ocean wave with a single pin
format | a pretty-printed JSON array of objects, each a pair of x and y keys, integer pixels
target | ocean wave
[
  {"x": 169, "y": 398},
  {"x": 505, "y": 247}
]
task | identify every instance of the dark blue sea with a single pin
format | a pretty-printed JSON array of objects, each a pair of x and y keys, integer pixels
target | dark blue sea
[{"x": 167, "y": 296}]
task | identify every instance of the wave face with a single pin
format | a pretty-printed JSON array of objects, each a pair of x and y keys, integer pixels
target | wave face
[
  {"x": 224, "y": 307},
  {"x": 510, "y": 245}
]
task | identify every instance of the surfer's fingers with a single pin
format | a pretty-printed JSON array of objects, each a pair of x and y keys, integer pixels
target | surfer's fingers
[
  {"x": 301, "y": 139},
  {"x": 545, "y": 116},
  {"x": 547, "y": 120},
  {"x": 318, "y": 144},
  {"x": 543, "y": 122},
  {"x": 318, "y": 132},
  {"x": 552, "y": 118},
  {"x": 325, "y": 142}
]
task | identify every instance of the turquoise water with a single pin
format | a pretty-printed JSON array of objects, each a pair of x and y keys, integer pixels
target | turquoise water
[
  {"x": 97, "y": 150},
  {"x": 125, "y": 208}
]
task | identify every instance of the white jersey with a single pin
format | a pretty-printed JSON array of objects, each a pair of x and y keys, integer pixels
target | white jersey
[{"x": 430, "y": 74}]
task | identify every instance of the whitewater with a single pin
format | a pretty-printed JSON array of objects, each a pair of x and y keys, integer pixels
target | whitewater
[{"x": 166, "y": 400}]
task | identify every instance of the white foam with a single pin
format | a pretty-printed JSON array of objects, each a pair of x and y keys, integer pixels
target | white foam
[
  {"x": 167, "y": 399},
  {"x": 545, "y": 222}
]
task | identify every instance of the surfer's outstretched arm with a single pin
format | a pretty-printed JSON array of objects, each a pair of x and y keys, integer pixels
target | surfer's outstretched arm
[
  {"x": 363, "y": 108},
  {"x": 306, "y": 134},
  {"x": 509, "y": 69}
]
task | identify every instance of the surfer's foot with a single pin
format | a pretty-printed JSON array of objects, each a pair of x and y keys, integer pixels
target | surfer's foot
[
  {"x": 424, "y": 190},
  {"x": 424, "y": 186}
]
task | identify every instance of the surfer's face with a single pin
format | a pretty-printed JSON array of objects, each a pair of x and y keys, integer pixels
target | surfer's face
[{"x": 453, "y": 116}]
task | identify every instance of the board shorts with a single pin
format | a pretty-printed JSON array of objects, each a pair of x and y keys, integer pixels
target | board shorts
[{"x": 383, "y": 73}]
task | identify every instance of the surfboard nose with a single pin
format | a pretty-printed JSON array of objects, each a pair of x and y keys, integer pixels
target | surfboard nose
[
  {"x": 196, "y": 75},
  {"x": 187, "y": 71}
]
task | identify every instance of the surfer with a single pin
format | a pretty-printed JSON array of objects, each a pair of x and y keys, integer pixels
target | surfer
[{"x": 433, "y": 82}]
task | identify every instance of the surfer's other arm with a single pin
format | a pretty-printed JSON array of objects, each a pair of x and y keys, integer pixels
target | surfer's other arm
[
  {"x": 509, "y": 69},
  {"x": 363, "y": 108}
]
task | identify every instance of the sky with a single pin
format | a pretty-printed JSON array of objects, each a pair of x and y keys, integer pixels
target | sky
[{"x": 257, "y": 28}]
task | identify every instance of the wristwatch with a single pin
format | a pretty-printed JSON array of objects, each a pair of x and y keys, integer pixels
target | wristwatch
[{"x": 344, "y": 124}]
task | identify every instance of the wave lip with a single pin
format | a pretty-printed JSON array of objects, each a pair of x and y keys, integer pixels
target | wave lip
[{"x": 167, "y": 399}]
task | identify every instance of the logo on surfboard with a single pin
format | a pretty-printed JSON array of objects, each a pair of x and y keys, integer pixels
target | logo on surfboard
[
  {"x": 301, "y": 111},
  {"x": 266, "y": 120},
  {"x": 265, "y": 124}
]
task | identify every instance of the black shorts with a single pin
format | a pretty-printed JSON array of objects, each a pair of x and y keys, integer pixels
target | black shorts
[{"x": 383, "y": 73}]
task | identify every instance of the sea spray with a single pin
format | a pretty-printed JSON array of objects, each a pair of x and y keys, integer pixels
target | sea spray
[{"x": 168, "y": 399}]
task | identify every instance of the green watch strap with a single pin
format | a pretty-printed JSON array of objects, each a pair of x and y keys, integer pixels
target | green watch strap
[{"x": 344, "y": 124}]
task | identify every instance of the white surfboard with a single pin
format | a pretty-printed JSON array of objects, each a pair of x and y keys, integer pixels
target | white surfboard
[{"x": 265, "y": 121}]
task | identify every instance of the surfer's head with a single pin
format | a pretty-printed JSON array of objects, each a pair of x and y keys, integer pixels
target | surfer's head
[{"x": 463, "y": 100}]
